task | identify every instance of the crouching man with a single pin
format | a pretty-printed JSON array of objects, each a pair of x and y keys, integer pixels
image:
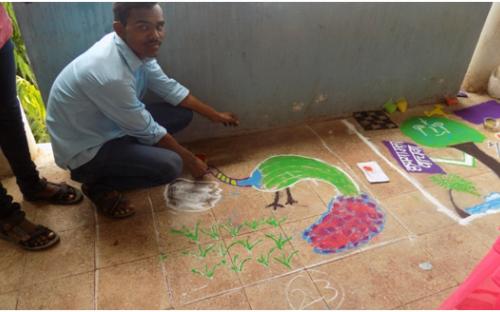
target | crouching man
[{"x": 101, "y": 130}]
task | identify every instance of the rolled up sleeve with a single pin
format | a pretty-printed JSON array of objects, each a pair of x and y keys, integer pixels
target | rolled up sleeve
[
  {"x": 167, "y": 88},
  {"x": 124, "y": 109}
]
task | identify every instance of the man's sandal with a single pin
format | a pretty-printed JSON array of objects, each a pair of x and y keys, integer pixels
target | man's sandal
[
  {"x": 113, "y": 205},
  {"x": 65, "y": 195},
  {"x": 26, "y": 234}
]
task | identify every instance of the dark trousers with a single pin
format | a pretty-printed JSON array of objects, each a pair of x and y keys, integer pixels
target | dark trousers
[
  {"x": 125, "y": 164},
  {"x": 12, "y": 136}
]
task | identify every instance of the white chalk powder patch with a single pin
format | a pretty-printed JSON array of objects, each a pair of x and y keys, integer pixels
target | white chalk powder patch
[{"x": 192, "y": 196}]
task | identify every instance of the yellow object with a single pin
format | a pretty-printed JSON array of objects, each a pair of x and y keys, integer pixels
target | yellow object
[
  {"x": 491, "y": 124},
  {"x": 437, "y": 111},
  {"x": 402, "y": 105}
]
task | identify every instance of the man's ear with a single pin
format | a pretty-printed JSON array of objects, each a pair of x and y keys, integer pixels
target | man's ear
[{"x": 119, "y": 28}]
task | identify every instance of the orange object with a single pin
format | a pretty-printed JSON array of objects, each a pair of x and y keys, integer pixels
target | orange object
[
  {"x": 203, "y": 157},
  {"x": 451, "y": 100}
]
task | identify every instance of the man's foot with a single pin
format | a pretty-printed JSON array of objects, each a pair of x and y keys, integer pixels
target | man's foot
[
  {"x": 56, "y": 193},
  {"x": 111, "y": 204},
  {"x": 28, "y": 235}
]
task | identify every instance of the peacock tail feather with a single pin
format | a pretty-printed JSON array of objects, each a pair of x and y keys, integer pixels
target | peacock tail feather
[{"x": 282, "y": 171}]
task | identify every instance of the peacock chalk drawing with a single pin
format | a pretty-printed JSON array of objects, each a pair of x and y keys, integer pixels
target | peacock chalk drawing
[{"x": 351, "y": 220}]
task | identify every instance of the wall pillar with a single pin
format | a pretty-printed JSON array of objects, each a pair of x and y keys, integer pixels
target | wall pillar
[{"x": 486, "y": 56}]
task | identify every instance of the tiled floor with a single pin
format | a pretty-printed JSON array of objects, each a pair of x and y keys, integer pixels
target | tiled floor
[{"x": 258, "y": 258}]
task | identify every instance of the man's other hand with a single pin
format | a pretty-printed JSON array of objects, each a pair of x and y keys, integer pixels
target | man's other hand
[{"x": 227, "y": 119}]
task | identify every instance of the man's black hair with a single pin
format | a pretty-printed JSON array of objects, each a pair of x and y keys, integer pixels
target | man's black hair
[{"x": 121, "y": 10}]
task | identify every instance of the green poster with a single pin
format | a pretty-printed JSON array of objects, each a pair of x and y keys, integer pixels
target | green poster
[{"x": 439, "y": 131}]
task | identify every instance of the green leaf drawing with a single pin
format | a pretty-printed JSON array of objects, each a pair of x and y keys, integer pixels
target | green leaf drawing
[
  {"x": 233, "y": 230},
  {"x": 274, "y": 222},
  {"x": 213, "y": 232},
  {"x": 245, "y": 243},
  {"x": 186, "y": 232},
  {"x": 208, "y": 272},
  {"x": 264, "y": 259},
  {"x": 203, "y": 251},
  {"x": 162, "y": 257},
  {"x": 222, "y": 250},
  {"x": 279, "y": 241},
  {"x": 254, "y": 224},
  {"x": 286, "y": 260},
  {"x": 455, "y": 183},
  {"x": 238, "y": 267}
]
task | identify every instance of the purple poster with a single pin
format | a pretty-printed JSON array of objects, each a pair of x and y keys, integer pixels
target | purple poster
[
  {"x": 412, "y": 157},
  {"x": 476, "y": 114}
]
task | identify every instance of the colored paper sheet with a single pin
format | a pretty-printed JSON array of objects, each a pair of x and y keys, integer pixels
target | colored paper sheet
[
  {"x": 439, "y": 131},
  {"x": 412, "y": 157},
  {"x": 373, "y": 172},
  {"x": 476, "y": 114}
]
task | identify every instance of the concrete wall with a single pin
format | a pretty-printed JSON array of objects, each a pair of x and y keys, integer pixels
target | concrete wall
[
  {"x": 279, "y": 63},
  {"x": 486, "y": 57}
]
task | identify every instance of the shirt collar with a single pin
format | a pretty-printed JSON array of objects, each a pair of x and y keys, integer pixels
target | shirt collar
[{"x": 130, "y": 58}]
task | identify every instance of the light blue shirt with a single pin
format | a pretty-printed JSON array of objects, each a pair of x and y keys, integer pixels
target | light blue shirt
[{"x": 97, "y": 98}]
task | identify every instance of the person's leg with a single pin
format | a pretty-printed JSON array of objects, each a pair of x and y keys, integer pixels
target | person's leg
[
  {"x": 6, "y": 205},
  {"x": 16, "y": 228},
  {"x": 173, "y": 118},
  {"x": 125, "y": 164},
  {"x": 12, "y": 136},
  {"x": 14, "y": 143}
]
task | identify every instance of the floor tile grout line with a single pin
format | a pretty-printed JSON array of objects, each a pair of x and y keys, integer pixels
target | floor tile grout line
[
  {"x": 317, "y": 289},
  {"x": 24, "y": 287},
  {"x": 246, "y": 297},
  {"x": 96, "y": 263},
  {"x": 362, "y": 182},
  {"x": 361, "y": 250},
  {"x": 165, "y": 280},
  {"x": 18, "y": 289},
  {"x": 427, "y": 296},
  {"x": 17, "y": 299},
  {"x": 431, "y": 256},
  {"x": 304, "y": 268},
  {"x": 231, "y": 259},
  {"x": 440, "y": 207}
]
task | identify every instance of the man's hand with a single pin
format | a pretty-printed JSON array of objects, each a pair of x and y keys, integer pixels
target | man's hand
[
  {"x": 196, "y": 167},
  {"x": 227, "y": 119},
  {"x": 192, "y": 163}
]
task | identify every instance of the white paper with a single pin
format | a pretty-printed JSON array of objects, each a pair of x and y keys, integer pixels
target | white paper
[{"x": 373, "y": 172}]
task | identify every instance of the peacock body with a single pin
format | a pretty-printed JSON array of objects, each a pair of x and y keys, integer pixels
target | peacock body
[{"x": 282, "y": 171}]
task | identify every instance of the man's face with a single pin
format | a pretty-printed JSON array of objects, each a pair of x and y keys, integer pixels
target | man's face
[{"x": 144, "y": 31}]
